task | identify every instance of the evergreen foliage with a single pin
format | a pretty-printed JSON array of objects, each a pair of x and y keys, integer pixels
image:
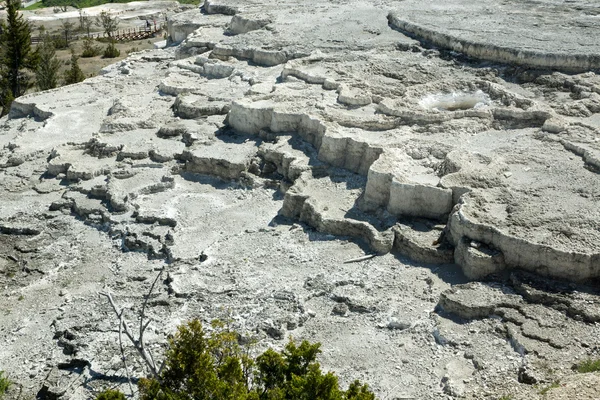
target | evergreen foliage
[
  {"x": 111, "y": 51},
  {"x": 85, "y": 22},
  {"x": 59, "y": 42},
  {"x": 46, "y": 74},
  {"x": 67, "y": 27},
  {"x": 79, "y": 3},
  {"x": 90, "y": 3},
  {"x": 111, "y": 395},
  {"x": 74, "y": 74},
  {"x": 107, "y": 22},
  {"x": 16, "y": 56},
  {"x": 89, "y": 50},
  {"x": 4, "y": 384},
  {"x": 202, "y": 367}
]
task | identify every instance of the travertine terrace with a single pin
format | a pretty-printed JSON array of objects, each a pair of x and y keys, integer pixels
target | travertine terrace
[{"x": 458, "y": 143}]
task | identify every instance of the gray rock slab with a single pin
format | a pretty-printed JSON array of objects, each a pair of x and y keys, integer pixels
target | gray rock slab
[{"x": 548, "y": 34}]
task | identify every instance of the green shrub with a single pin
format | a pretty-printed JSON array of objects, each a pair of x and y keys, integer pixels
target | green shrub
[
  {"x": 111, "y": 51},
  {"x": 74, "y": 74},
  {"x": 59, "y": 42},
  {"x": 46, "y": 75},
  {"x": 110, "y": 394},
  {"x": 589, "y": 365},
  {"x": 89, "y": 50},
  {"x": 201, "y": 366},
  {"x": 4, "y": 384}
]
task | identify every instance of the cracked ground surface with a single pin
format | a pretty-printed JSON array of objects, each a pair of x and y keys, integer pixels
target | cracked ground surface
[{"x": 255, "y": 157}]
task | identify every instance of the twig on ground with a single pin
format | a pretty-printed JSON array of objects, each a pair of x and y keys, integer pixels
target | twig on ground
[{"x": 359, "y": 259}]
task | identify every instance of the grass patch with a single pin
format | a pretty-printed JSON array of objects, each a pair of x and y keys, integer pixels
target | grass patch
[
  {"x": 87, "y": 3},
  {"x": 589, "y": 365},
  {"x": 548, "y": 388},
  {"x": 78, "y": 3},
  {"x": 4, "y": 384},
  {"x": 35, "y": 6},
  {"x": 506, "y": 397}
]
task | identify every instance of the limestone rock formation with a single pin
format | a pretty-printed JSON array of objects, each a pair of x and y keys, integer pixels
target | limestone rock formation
[{"x": 262, "y": 154}]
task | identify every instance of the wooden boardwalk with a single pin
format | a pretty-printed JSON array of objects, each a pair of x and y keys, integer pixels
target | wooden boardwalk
[
  {"x": 120, "y": 35},
  {"x": 137, "y": 34}
]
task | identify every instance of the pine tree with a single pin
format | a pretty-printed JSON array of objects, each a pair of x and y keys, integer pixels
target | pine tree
[
  {"x": 111, "y": 50},
  {"x": 16, "y": 56},
  {"x": 110, "y": 24},
  {"x": 67, "y": 27},
  {"x": 75, "y": 74},
  {"x": 47, "y": 73},
  {"x": 89, "y": 50}
]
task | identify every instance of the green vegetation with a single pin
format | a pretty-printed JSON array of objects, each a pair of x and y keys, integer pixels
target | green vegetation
[
  {"x": 87, "y": 3},
  {"x": 46, "y": 75},
  {"x": 111, "y": 51},
  {"x": 506, "y": 397},
  {"x": 546, "y": 389},
  {"x": 85, "y": 22},
  {"x": 589, "y": 365},
  {"x": 74, "y": 74},
  {"x": 35, "y": 6},
  {"x": 201, "y": 366},
  {"x": 89, "y": 49},
  {"x": 67, "y": 28},
  {"x": 16, "y": 56},
  {"x": 108, "y": 23},
  {"x": 4, "y": 384},
  {"x": 78, "y": 3},
  {"x": 111, "y": 395}
]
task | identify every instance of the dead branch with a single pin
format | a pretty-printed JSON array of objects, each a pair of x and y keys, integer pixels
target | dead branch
[
  {"x": 143, "y": 314},
  {"x": 359, "y": 259},
  {"x": 123, "y": 352},
  {"x": 138, "y": 343},
  {"x": 145, "y": 356}
]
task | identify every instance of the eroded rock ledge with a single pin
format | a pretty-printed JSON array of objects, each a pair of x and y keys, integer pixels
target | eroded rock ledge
[
  {"x": 486, "y": 51},
  {"x": 459, "y": 148},
  {"x": 515, "y": 32},
  {"x": 264, "y": 135}
]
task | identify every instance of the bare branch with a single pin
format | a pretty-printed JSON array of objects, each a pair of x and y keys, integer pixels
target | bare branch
[
  {"x": 137, "y": 343},
  {"x": 162, "y": 366},
  {"x": 123, "y": 352},
  {"x": 359, "y": 259},
  {"x": 142, "y": 352},
  {"x": 143, "y": 314}
]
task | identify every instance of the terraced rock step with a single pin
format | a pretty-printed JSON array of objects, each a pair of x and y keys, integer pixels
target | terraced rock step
[
  {"x": 307, "y": 170},
  {"x": 490, "y": 32},
  {"x": 308, "y": 200}
]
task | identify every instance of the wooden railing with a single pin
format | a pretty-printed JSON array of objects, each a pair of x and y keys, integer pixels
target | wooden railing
[{"x": 138, "y": 33}]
